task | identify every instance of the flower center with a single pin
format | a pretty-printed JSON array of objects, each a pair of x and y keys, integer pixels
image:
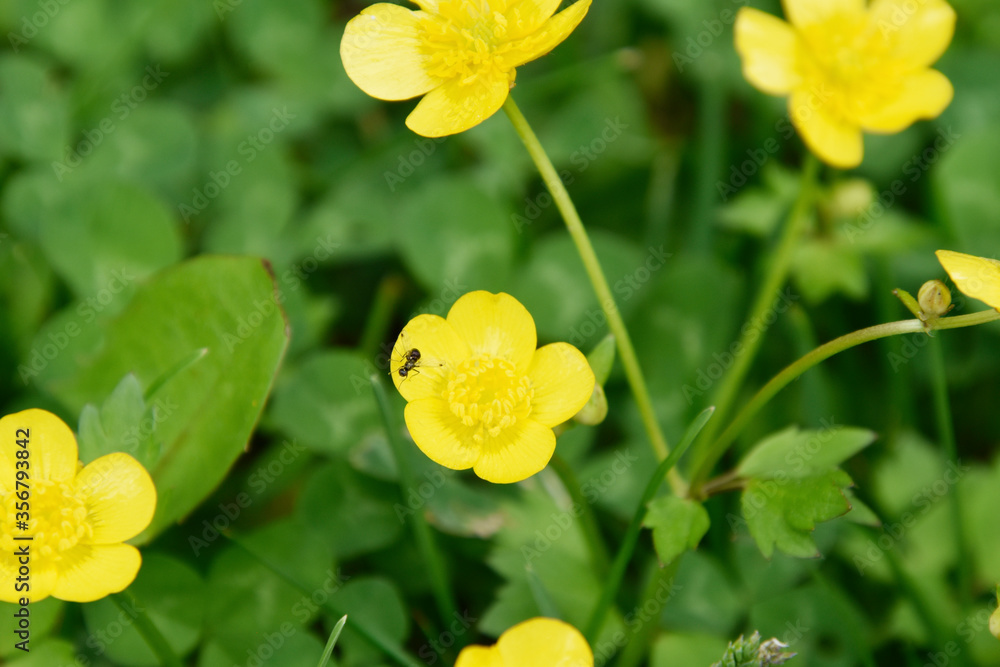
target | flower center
[
  {"x": 466, "y": 39},
  {"x": 58, "y": 521},
  {"x": 848, "y": 64},
  {"x": 488, "y": 395}
]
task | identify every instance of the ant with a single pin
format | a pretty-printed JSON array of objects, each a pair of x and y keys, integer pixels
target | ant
[{"x": 410, "y": 359}]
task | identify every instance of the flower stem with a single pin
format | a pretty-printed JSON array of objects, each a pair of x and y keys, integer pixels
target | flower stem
[
  {"x": 632, "y": 533},
  {"x": 633, "y": 372},
  {"x": 751, "y": 336},
  {"x": 438, "y": 573},
  {"x": 165, "y": 655},
  {"x": 591, "y": 533},
  {"x": 821, "y": 353},
  {"x": 946, "y": 434}
]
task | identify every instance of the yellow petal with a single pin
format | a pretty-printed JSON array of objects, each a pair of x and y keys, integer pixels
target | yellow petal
[
  {"x": 977, "y": 277},
  {"x": 51, "y": 447},
  {"x": 548, "y": 37},
  {"x": 543, "y": 642},
  {"x": 42, "y": 579},
  {"x": 517, "y": 453},
  {"x": 458, "y": 105},
  {"x": 496, "y": 325},
  {"x": 768, "y": 48},
  {"x": 382, "y": 53},
  {"x": 834, "y": 140},
  {"x": 804, "y": 13},
  {"x": 919, "y": 32},
  {"x": 479, "y": 656},
  {"x": 439, "y": 434},
  {"x": 440, "y": 348},
  {"x": 562, "y": 381},
  {"x": 90, "y": 573},
  {"x": 923, "y": 94},
  {"x": 526, "y": 16},
  {"x": 119, "y": 496}
]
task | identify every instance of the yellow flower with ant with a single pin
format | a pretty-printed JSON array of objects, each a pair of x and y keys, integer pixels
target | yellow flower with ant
[
  {"x": 977, "y": 277},
  {"x": 479, "y": 394},
  {"x": 539, "y": 642},
  {"x": 461, "y": 55},
  {"x": 849, "y": 67},
  {"x": 71, "y": 519}
]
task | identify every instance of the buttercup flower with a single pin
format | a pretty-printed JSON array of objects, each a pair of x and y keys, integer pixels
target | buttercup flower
[
  {"x": 847, "y": 67},
  {"x": 539, "y": 642},
  {"x": 460, "y": 54},
  {"x": 977, "y": 277},
  {"x": 479, "y": 395},
  {"x": 77, "y": 516}
]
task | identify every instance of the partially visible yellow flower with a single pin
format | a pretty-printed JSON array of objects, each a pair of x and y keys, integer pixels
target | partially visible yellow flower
[
  {"x": 848, "y": 67},
  {"x": 78, "y": 517},
  {"x": 460, "y": 54},
  {"x": 977, "y": 277},
  {"x": 539, "y": 642},
  {"x": 479, "y": 394}
]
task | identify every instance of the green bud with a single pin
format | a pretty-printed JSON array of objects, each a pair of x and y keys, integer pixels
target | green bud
[
  {"x": 595, "y": 410},
  {"x": 934, "y": 298}
]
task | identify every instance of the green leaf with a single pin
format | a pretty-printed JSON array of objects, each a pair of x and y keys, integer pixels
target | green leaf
[
  {"x": 124, "y": 423},
  {"x": 376, "y": 603},
  {"x": 678, "y": 525},
  {"x": 224, "y": 304},
  {"x": 798, "y": 454},
  {"x": 171, "y": 594},
  {"x": 602, "y": 358},
  {"x": 35, "y": 114},
  {"x": 964, "y": 181},
  {"x": 452, "y": 233},
  {"x": 673, "y": 649},
  {"x": 353, "y": 513},
  {"x": 46, "y": 653},
  {"x": 823, "y": 267},
  {"x": 782, "y": 514}
]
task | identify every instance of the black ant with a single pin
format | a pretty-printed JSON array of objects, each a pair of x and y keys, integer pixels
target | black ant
[{"x": 410, "y": 359}]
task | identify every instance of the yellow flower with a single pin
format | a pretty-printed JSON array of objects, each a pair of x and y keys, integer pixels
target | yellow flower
[
  {"x": 847, "y": 67},
  {"x": 479, "y": 395},
  {"x": 539, "y": 642},
  {"x": 460, "y": 54},
  {"x": 77, "y": 516},
  {"x": 977, "y": 277}
]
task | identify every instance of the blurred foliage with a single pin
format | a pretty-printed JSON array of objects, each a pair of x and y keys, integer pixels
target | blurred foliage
[{"x": 197, "y": 206}]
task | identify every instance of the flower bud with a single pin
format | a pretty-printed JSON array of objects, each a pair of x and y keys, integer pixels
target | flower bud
[
  {"x": 595, "y": 410},
  {"x": 850, "y": 198},
  {"x": 934, "y": 298}
]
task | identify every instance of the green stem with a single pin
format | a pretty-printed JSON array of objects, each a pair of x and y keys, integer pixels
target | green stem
[
  {"x": 632, "y": 533},
  {"x": 591, "y": 533},
  {"x": 639, "y": 643},
  {"x": 821, "y": 353},
  {"x": 436, "y": 569},
  {"x": 165, "y": 655},
  {"x": 633, "y": 372},
  {"x": 946, "y": 433},
  {"x": 379, "y": 315},
  {"x": 752, "y": 336}
]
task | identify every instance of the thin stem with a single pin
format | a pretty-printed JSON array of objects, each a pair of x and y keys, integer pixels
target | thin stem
[
  {"x": 633, "y": 372},
  {"x": 821, "y": 353},
  {"x": 378, "y": 317},
  {"x": 639, "y": 642},
  {"x": 165, "y": 654},
  {"x": 946, "y": 433},
  {"x": 632, "y": 533},
  {"x": 751, "y": 336},
  {"x": 332, "y": 642},
  {"x": 436, "y": 569},
  {"x": 591, "y": 533}
]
